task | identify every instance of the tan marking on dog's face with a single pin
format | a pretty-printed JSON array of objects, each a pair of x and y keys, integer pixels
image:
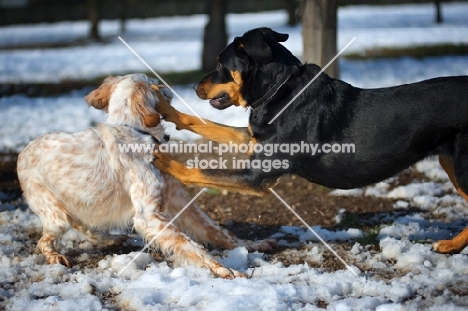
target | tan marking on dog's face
[
  {"x": 235, "y": 95},
  {"x": 212, "y": 90}
]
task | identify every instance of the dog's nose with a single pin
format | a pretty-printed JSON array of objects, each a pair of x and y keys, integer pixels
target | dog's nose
[{"x": 166, "y": 138}]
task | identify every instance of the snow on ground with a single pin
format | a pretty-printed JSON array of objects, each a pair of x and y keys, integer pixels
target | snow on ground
[{"x": 403, "y": 275}]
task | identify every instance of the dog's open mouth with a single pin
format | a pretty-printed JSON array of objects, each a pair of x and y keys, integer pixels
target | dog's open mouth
[{"x": 221, "y": 102}]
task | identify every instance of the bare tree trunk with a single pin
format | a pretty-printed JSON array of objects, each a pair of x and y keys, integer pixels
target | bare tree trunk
[
  {"x": 123, "y": 15},
  {"x": 94, "y": 15},
  {"x": 319, "y": 24},
  {"x": 215, "y": 38},
  {"x": 439, "y": 18},
  {"x": 291, "y": 8}
]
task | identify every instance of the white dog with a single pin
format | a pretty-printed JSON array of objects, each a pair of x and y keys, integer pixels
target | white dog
[{"x": 84, "y": 180}]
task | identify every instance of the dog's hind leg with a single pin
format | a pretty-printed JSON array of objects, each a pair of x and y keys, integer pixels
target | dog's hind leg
[
  {"x": 54, "y": 218},
  {"x": 155, "y": 227},
  {"x": 101, "y": 238},
  {"x": 204, "y": 230},
  {"x": 458, "y": 176},
  {"x": 200, "y": 226}
]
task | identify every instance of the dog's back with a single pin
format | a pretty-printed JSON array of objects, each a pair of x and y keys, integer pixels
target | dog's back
[{"x": 89, "y": 172}]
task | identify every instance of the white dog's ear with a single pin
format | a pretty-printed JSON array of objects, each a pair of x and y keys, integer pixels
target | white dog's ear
[
  {"x": 142, "y": 100},
  {"x": 99, "y": 98}
]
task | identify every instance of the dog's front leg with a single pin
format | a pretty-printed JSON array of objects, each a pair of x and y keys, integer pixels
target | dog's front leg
[
  {"x": 208, "y": 129},
  {"x": 237, "y": 180},
  {"x": 154, "y": 226}
]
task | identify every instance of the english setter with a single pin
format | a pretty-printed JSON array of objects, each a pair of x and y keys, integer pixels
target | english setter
[{"x": 84, "y": 180}]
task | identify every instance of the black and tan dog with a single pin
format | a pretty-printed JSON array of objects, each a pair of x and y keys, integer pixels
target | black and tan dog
[{"x": 390, "y": 128}]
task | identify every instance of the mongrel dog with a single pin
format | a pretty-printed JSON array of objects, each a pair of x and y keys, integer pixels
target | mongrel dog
[
  {"x": 390, "y": 128},
  {"x": 84, "y": 180}
]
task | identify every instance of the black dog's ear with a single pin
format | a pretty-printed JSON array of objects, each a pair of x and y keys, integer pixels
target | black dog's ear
[
  {"x": 278, "y": 37},
  {"x": 258, "y": 44},
  {"x": 253, "y": 45},
  {"x": 239, "y": 49}
]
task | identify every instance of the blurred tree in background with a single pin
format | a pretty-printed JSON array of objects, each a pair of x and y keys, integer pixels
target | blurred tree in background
[
  {"x": 215, "y": 37},
  {"x": 319, "y": 33},
  {"x": 94, "y": 15}
]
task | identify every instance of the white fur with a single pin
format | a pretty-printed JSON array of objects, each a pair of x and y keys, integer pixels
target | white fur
[{"x": 83, "y": 180}]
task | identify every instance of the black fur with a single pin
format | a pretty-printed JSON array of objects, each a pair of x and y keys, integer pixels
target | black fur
[{"x": 391, "y": 128}]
